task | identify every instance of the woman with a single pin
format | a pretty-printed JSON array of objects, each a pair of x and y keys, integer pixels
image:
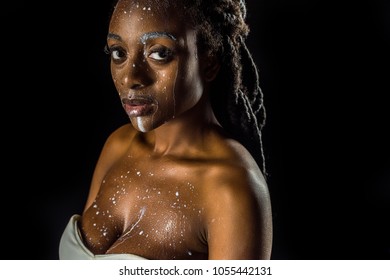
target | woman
[{"x": 184, "y": 179}]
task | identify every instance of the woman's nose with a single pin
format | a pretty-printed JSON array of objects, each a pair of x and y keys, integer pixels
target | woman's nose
[{"x": 138, "y": 74}]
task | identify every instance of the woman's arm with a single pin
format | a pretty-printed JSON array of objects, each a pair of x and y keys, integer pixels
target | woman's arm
[{"x": 239, "y": 218}]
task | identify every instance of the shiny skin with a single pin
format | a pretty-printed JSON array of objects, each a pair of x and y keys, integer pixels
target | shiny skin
[{"x": 172, "y": 185}]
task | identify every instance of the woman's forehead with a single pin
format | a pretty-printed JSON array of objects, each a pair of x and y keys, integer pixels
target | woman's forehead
[
  {"x": 151, "y": 10},
  {"x": 132, "y": 22},
  {"x": 130, "y": 13},
  {"x": 149, "y": 5}
]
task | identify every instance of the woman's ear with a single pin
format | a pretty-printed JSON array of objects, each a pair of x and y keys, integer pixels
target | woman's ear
[{"x": 211, "y": 67}]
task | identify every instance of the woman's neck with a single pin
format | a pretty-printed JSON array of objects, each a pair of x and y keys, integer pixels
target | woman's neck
[{"x": 185, "y": 132}]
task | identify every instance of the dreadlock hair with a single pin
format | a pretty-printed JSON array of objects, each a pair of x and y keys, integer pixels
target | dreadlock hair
[{"x": 236, "y": 96}]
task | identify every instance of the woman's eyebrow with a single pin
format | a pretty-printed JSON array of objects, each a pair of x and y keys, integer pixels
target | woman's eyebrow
[
  {"x": 152, "y": 35},
  {"x": 114, "y": 36}
]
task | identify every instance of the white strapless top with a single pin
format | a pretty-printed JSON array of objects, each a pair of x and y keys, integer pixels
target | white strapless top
[{"x": 72, "y": 246}]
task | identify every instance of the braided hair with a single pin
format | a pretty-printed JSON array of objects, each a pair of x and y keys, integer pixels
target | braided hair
[{"x": 236, "y": 96}]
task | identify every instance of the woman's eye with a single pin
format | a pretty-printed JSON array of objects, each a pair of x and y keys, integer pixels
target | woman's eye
[
  {"x": 117, "y": 54},
  {"x": 160, "y": 54}
]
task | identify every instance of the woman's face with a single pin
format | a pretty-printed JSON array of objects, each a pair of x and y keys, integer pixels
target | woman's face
[{"x": 154, "y": 63}]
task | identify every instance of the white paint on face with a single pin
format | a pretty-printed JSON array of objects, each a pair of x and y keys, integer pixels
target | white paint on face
[
  {"x": 140, "y": 124},
  {"x": 180, "y": 75}
]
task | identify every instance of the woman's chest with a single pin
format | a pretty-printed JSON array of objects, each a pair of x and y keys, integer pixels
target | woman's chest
[{"x": 146, "y": 210}]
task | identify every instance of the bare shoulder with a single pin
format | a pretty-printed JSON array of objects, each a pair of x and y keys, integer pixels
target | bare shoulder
[
  {"x": 238, "y": 216},
  {"x": 117, "y": 143},
  {"x": 237, "y": 173},
  {"x": 119, "y": 138}
]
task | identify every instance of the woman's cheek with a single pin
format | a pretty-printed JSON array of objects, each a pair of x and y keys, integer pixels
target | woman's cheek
[{"x": 167, "y": 83}]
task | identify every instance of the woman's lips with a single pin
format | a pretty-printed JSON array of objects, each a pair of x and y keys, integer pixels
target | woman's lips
[{"x": 137, "y": 106}]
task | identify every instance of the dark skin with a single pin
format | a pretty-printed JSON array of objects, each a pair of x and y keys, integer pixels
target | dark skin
[{"x": 171, "y": 185}]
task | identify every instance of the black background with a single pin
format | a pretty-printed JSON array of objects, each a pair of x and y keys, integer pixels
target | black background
[{"x": 324, "y": 69}]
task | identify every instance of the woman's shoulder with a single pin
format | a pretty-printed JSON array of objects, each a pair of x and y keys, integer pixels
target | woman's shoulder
[
  {"x": 234, "y": 170},
  {"x": 237, "y": 204},
  {"x": 122, "y": 133},
  {"x": 116, "y": 144}
]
